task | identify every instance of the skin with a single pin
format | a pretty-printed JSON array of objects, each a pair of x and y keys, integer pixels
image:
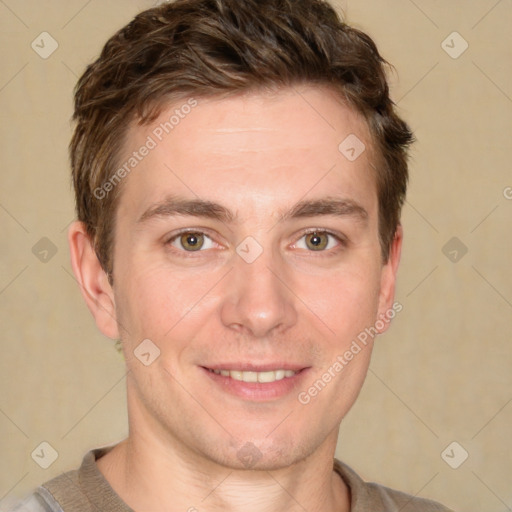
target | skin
[{"x": 257, "y": 155}]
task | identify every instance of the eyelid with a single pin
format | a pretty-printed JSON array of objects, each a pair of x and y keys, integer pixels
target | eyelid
[
  {"x": 340, "y": 237},
  {"x": 176, "y": 234}
]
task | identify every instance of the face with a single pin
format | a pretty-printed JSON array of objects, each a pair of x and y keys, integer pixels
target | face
[{"x": 247, "y": 252}]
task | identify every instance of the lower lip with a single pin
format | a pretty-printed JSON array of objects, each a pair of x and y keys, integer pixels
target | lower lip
[{"x": 258, "y": 391}]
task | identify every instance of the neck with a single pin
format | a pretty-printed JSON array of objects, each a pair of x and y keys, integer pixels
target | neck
[{"x": 149, "y": 475}]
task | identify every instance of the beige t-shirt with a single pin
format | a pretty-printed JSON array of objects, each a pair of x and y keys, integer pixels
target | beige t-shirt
[{"x": 87, "y": 490}]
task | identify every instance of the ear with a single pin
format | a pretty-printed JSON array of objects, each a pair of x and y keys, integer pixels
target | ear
[
  {"x": 93, "y": 280},
  {"x": 388, "y": 279}
]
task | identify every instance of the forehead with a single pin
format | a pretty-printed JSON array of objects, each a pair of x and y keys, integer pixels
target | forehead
[{"x": 253, "y": 148}]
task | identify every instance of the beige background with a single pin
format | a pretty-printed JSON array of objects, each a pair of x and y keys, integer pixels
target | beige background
[{"x": 443, "y": 371}]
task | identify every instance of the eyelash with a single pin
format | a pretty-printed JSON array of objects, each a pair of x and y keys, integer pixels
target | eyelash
[{"x": 342, "y": 241}]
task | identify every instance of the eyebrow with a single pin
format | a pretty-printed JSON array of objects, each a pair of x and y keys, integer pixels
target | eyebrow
[
  {"x": 173, "y": 206},
  {"x": 326, "y": 206}
]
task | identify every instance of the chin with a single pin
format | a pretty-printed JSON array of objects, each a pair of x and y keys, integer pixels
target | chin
[{"x": 261, "y": 454}]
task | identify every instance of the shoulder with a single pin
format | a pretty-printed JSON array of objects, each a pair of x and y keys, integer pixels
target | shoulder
[
  {"x": 370, "y": 496},
  {"x": 399, "y": 501},
  {"x": 39, "y": 501},
  {"x": 84, "y": 489},
  {"x": 53, "y": 495}
]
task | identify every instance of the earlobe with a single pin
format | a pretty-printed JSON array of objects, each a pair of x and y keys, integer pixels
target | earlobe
[
  {"x": 93, "y": 280},
  {"x": 388, "y": 277}
]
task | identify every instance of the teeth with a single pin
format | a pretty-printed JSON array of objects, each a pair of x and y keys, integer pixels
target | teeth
[
  {"x": 266, "y": 376},
  {"x": 280, "y": 374},
  {"x": 255, "y": 376}
]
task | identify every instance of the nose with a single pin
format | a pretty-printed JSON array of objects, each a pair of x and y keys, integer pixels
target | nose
[{"x": 258, "y": 301}]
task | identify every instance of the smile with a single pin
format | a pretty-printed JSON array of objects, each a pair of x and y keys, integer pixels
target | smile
[{"x": 248, "y": 376}]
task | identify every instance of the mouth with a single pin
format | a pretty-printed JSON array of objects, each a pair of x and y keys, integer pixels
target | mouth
[
  {"x": 254, "y": 383},
  {"x": 250, "y": 376}
]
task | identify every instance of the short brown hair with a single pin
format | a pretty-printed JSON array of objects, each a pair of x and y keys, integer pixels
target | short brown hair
[{"x": 205, "y": 48}]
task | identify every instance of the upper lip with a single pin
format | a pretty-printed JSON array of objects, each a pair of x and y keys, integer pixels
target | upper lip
[{"x": 251, "y": 367}]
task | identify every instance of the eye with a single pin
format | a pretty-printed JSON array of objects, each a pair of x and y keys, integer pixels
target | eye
[
  {"x": 318, "y": 241},
  {"x": 191, "y": 241}
]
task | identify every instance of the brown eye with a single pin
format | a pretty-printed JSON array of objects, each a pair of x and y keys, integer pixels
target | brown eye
[
  {"x": 317, "y": 241},
  {"x": 192, "y": 241}
]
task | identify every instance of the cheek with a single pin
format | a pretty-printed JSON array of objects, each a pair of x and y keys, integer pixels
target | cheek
[
  {"x": 345, "y": 300},
  {"x": 154, "y": 301},
  {"x": 347, "y": 303}
]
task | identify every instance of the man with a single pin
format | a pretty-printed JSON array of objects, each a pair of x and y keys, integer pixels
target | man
[{"x": 239, "y": 171}]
